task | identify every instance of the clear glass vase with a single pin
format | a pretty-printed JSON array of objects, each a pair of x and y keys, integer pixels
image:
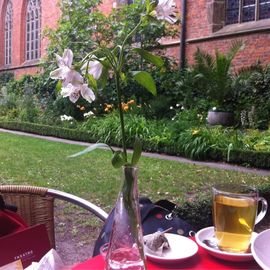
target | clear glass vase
[{"x": 125, "y": 249}]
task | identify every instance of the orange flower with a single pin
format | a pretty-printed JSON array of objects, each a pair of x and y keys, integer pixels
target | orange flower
[
  {"x": 132, "y": 101},
  {"x": 124, "y": 106},
  {"x": 108, "y": 107}
]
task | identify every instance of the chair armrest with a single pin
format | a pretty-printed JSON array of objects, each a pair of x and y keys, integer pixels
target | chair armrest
[{"x": 78, "y": 201}]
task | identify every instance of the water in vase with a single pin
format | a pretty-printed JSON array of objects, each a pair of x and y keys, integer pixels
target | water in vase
[{"x": 125, "y": 259}]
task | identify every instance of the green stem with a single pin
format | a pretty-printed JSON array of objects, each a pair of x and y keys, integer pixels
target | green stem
[
  {"x": 121, "y": 114},
  {"x": 129, "y": 200},
  {"x": 118, "y": 71},
  {"x": 130, "y": 34}
]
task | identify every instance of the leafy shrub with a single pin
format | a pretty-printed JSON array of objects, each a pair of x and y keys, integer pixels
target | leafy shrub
[
  {"x": 6, "y": 77},
  {"x": 186, "y": 119},
  {"x": 216, "y": 78},
  {"x": 152, "y": 133},
  {"x": 252, "y": 92}
]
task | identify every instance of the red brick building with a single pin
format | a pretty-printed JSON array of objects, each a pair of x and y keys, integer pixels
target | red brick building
[{"x": 208, "y": 24}]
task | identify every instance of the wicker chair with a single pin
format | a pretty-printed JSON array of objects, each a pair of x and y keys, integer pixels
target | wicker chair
[{"x": 36, "y": 205}]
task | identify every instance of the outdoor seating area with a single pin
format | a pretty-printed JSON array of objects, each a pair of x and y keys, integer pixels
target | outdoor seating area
[{"x": 35, "y": 205}]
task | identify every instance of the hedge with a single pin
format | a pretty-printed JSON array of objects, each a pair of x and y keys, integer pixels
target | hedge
[
  {"x": 46, "y": 130},
  {"x": 246, "y": 158},
  {"x": 250, "y": 158}
]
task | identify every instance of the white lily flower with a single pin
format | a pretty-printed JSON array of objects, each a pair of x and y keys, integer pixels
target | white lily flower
[
  {"x": 94, "y": 68},
  {"x": 165, "y": 10},
  {"x": 65, "y": 71}
]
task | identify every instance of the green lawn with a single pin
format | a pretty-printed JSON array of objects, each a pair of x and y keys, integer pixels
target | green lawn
[{"x": 25, "y": 160}]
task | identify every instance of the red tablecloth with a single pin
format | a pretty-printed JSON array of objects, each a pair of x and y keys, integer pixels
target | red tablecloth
[{"x": 202, "y": 260}]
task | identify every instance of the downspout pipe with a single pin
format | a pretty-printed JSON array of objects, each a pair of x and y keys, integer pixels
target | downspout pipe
[{"x": 183, "y": 36}]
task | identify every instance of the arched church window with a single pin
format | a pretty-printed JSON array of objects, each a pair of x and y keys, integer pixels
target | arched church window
[
  {"x": 8, "y": 33},
  {"x": 33, "y": 29}
]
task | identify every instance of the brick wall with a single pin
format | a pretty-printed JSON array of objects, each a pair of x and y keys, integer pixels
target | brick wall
[
  {"x": 256, "y": 48},
  {"x": 200, "y": 20}
]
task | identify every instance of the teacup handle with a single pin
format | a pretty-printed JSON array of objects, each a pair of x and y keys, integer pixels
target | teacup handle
[{"x": 263, "y": 209}]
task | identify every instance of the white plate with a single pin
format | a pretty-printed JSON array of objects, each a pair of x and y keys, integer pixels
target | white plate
[
  {"x": 208, "y": 233},
  {"x": 260, "y": 249},
  {"x": 181, "y": 248}
]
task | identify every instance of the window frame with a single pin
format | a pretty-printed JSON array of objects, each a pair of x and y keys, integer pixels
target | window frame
[{"x": 33, "y": 30}]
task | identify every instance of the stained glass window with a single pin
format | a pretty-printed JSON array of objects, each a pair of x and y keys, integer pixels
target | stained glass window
[
  {"x": 33, "y": 29},
  {"x": 238, "y": 11},
  {"x": 8, "y": 33}
]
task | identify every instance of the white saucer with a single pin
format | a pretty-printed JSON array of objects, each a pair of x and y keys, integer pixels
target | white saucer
[
  {"x": 208, "y": 233},
  {"x": 260, "y": 249},
  {"x": 181, "y": 248}
]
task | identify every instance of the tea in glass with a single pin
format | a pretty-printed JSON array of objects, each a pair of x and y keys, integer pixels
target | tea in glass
[{"x": 235, "y": 215}]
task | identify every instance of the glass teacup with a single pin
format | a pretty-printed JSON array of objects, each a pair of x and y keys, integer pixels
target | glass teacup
[{"x": 235, "y": 215}]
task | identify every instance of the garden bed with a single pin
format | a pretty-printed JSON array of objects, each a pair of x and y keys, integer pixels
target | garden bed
[{"x": 247, "y": 158}]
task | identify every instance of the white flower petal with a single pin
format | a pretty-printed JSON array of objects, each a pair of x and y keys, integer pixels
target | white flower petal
[
  {"x": 94, "y": 68},
  {"x": 71, "y": 91},
  {"x": 87, "y": 93},
  {"x": 73, "y": 77},
  {"x": 60, "y": 61},
  {"x": 68, "y": 57},
  {"x": 76, "y": 78},
  {"x": 67, "y": 91},
  {"x": 60, "y": 73},
  {"x": 74, "y": 97},
  {"x": 165, "y": 10}
]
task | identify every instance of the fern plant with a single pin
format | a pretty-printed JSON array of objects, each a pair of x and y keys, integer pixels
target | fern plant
[{"x": 216, "y": 76}]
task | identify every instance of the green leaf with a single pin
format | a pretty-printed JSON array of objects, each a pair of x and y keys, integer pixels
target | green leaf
[
  {"x": 123, "y": 77},
  {"x": 117, "y": 159},
  {"x": 137, "y": 151},
  {"x": 150, "y": 5},
  {"x": 103, "y": 78},
  {"x": 91, "y": 148},
  {"x": 92, "y": 82},
  {"x": 58, "y": 86},
  {"x": 149, "y": 57},
  {"x": 145, "y": 79}
]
